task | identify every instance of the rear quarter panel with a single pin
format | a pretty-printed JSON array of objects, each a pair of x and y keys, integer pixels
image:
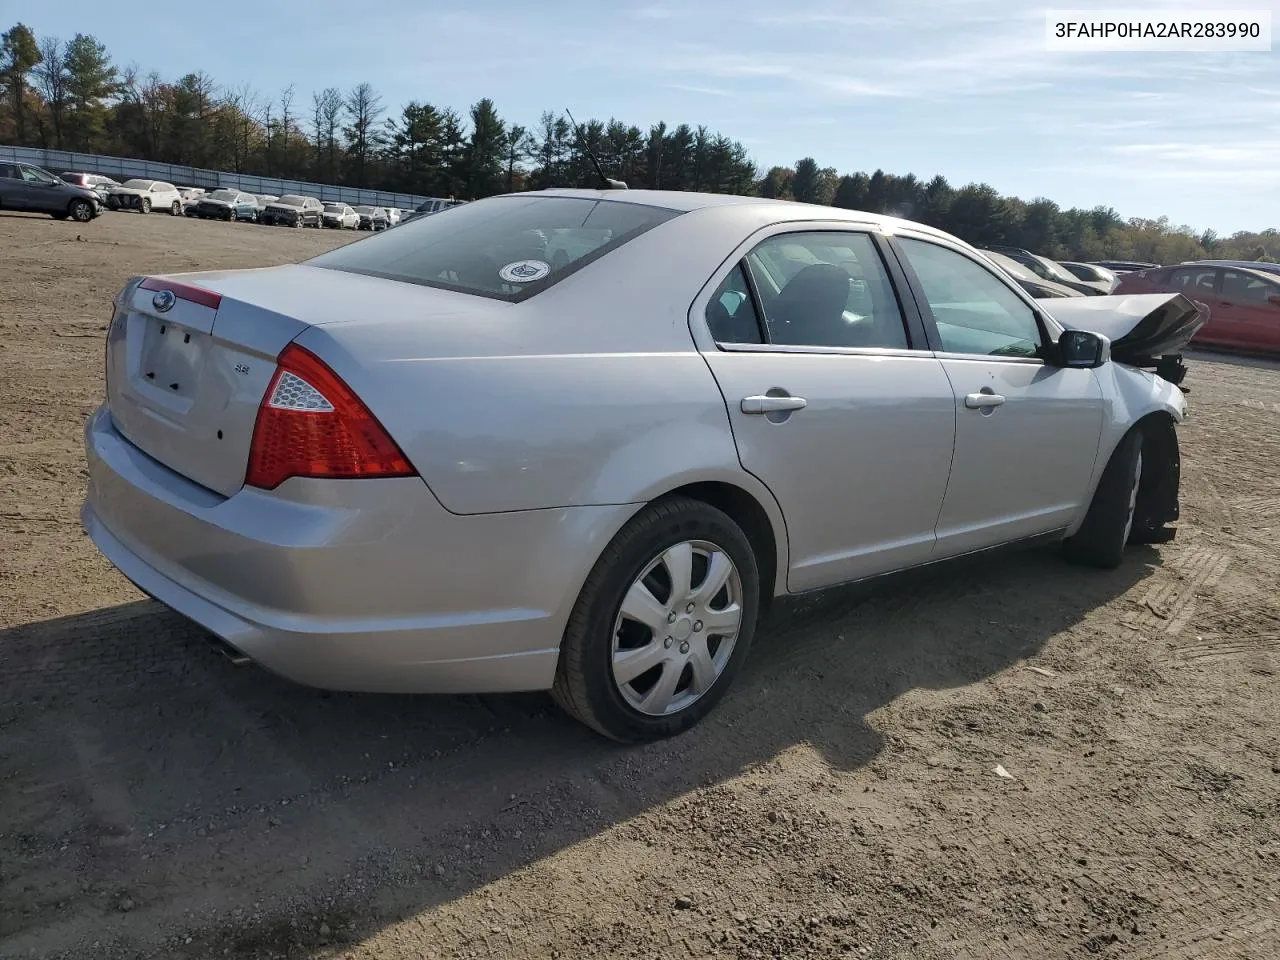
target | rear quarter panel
[{"x": 590, "y": 393}]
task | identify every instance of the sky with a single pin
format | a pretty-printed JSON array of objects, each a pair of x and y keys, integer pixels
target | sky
[{"x": 965, "y": 88}]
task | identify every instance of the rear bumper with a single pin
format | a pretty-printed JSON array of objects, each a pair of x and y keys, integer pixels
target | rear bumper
[{"x": 363, "y": 585}]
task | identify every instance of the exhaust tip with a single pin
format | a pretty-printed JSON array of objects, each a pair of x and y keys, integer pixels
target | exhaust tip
[{"x": 227, "y": 650}]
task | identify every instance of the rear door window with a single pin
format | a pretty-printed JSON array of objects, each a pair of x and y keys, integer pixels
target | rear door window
[
  {"x": 826, "y": 289},
  {"x": 731, "y": 314},
  {"x": 1202, "y": 280},
  {"x": 1246, "y": 288},
  {"x": 509, "y": 248}
]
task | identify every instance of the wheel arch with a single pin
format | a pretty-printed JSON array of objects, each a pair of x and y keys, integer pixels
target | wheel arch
[
  {"x": 1161, "y": 472},
  {"x": 1161, "y": 466},
  {"x": 764, "y": 528}
]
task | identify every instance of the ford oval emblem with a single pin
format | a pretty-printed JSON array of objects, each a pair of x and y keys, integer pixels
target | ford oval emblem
[{"x": 164, "y": 301}]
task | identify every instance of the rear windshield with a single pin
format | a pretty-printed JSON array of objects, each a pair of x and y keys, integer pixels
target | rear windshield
[{"x": 509, "y": 248}]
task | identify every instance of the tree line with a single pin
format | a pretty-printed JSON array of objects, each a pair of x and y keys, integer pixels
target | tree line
[{"x": 70, "y": 95}]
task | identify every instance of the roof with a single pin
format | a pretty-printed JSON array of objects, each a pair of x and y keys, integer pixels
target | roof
[
  {"x": 1272, "y": 268},
  {"x": 785, "y": 209}
]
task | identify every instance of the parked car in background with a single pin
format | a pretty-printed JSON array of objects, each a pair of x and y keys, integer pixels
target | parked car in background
[
  {"x": 96, "y": 182},
  {"x": 1090, "y": 272},
  {"x": 229, "y": 205},
  {"x": 439, "y": 471},
  {"x": 1244, "y": 304},
  {"x": 428, "y": 207},
  {"x": 340, "y": 216},
  {"x": 264, "y": 199},
  {"x": 31, "y": 189},
  {"x": 292, "y": 211},
  {"x": 372, "y": 218},
  {"x": 1039, "y": 288},
  {"x": 1051, "y": 270},
  {"x": 1124, "y": 266},
  {"x": 1247, "y": 264},
  {"x": 145, "y": 196},
  {"x": 393, "y": 216},
  {"x": 190, "y": 198}
]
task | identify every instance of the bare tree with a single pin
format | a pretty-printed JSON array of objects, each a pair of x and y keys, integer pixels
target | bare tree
[
  {"x": 51, "y": 75},
  {"x": 363, "y": 107},
  {"x": 244, "y": 105},
  {"x": 284, "y": 126},
  {"x": 154, "y": 100},
  {"x": 327, "y": 121}
]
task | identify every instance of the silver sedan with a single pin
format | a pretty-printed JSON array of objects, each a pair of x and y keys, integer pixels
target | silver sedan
[{"x": 575, "y": 440}]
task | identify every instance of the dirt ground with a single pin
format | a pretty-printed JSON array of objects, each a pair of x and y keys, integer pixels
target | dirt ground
[{"x": 156, "y": 801}]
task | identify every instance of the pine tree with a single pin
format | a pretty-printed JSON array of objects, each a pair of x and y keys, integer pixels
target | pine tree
[
  {"x": 485, "y": 152},
  {"x": 19, "y": 56},
  {"x": 90, "y": 79}
]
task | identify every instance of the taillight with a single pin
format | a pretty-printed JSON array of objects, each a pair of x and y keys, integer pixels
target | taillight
[{"x": 311, "y": 424}]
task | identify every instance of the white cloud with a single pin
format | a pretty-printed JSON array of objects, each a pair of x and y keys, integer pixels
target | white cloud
[
  {"x": 704, "y": 91},
  {"x": 655, "y": 13}
]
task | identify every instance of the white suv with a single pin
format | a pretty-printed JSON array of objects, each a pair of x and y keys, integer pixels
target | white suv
[{"x": 145, "y": 196}]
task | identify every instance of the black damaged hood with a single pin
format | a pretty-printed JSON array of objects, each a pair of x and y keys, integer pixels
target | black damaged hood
[{"x": 1141, "y": 327}]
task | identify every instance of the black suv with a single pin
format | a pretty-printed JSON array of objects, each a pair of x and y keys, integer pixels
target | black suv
[{"x": 28, "y": 188}]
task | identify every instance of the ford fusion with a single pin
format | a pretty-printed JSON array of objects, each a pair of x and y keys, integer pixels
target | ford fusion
[{"x": 575, "y": 440}]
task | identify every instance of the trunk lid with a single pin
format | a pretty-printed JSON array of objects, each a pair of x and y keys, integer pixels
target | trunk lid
[
  {"x": 1142, "y": 328},
  {"x": 184, "y": 384}
]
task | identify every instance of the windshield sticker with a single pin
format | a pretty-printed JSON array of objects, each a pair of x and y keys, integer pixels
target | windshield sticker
[{"x": 524, "y": 271}]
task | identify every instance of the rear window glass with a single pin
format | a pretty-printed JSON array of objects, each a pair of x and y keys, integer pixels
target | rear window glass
[{"x": 509, "y": 248}]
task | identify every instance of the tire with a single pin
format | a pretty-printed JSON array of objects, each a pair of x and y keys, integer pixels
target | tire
[
  {"x": 661, "y": 699},
  {"x": 144, "y": 204},
  {"x": 1101, "y": 539},
  {"x": 175, "y": 208},
  {"x": 81, "y": 211}
]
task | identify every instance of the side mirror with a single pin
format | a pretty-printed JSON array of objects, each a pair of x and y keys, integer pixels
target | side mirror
[{"x": 1082, "y": 350}]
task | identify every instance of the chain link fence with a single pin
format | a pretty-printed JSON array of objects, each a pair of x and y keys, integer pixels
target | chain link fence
[{"x": 121, "y": 168}]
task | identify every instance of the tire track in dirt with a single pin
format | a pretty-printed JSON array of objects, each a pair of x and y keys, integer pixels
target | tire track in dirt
[{"x": 1169, "y": 606}]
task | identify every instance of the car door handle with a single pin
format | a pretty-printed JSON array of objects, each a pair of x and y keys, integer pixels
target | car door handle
[
  {"x": 762, "y": 405},
  {"x": 983, "y": 401}
]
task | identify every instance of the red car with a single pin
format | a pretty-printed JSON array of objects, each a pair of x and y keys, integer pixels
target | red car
[{"x": 1244, "y": 304}]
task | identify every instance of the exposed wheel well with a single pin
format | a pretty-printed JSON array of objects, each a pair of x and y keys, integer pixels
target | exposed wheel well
[
  {"x": 748, "y": 514},
  {"x": 1161, "y": 473}
]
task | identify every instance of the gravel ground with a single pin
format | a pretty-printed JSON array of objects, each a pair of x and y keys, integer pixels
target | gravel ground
[{"x": 156, "y": 801}]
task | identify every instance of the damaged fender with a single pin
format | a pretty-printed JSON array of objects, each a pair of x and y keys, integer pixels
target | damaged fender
[{"x": 1148, "y": 333}]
